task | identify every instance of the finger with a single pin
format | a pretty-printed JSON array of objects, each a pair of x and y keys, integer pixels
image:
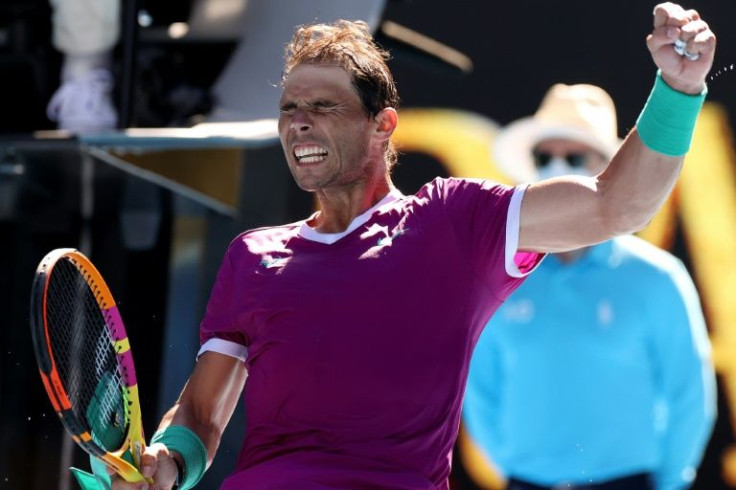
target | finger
[
  {"x": 167, "y": 471},
  {"x": 662, "y": 36},
  {"x": 680, "y": 18},
  {"x": 151, "y": 457},
  {"x": 120, "y": 484},
  {"x": 660, "y": 16},
  {"x": 699, "y": 42},
  {"x": 692, "y": 29},
  {"x": 692, "y": 14},
  {"x": 674, "y": 15},
  {"x": 161, "y": 456},
  {"x": 664, "y": 12},
  {"x": 159, "y": 467},
  {"x": 703, "y": 43},
  {"x": 149, "y": 464}
]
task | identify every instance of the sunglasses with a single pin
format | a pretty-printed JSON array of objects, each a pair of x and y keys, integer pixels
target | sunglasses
[{"x": 575, "y": 160}]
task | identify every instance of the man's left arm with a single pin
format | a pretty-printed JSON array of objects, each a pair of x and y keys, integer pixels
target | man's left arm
[
  {"x": 571, "y": 212},
  {"x": 683, "y": 367}
]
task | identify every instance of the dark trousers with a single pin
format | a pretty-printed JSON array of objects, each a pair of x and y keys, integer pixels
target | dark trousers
[{"x": 640, "y": 481}]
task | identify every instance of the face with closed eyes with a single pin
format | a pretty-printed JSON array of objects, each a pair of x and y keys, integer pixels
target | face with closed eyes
[{"x": 327, "y": 136}]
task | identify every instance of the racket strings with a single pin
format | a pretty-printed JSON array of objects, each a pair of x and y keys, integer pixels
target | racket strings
[{"x": 85, "y": 355}]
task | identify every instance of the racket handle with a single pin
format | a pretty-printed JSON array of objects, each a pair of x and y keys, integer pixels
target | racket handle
[{"x": 127, "y": 471}]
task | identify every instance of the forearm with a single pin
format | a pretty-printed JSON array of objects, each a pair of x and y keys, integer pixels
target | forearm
[
  {"x": 208, "y": 400},
  {"x": 645, "y": 169},
  {"x": 208, "y": 432},
  {"x": 634, "y": 186}
]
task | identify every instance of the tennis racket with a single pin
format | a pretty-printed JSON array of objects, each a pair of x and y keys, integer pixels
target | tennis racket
[{"x": 84, "y": 358}]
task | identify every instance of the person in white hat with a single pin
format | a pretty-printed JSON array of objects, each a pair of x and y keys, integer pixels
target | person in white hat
[
  {"x": 581, "y": 118},
  {"x": 596, "y": 373}
]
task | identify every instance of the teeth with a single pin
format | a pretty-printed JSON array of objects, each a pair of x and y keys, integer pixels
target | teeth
[
  {"x": 310, "y": 154},
  {"x": 312, "y": 159}
]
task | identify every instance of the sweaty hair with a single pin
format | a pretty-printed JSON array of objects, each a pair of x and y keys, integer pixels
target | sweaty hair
[{"x": 349, "y": 45}]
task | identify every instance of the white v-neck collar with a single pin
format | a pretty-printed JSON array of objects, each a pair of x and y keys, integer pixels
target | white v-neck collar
[{"x": 310, "y": 233}]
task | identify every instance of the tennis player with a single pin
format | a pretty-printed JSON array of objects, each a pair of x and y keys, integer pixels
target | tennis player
[{"x": 355, "y": 326}]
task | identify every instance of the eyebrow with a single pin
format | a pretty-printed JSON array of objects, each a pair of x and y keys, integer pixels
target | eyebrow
[
  {"x": 315, "y": 104},
  {"x": 287, "y": 106},
  {"x": 323, "y": 103}
]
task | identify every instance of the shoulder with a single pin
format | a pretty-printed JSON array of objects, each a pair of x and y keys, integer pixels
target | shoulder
[
  {"x": 449, "y": 187},
  {"x": 257, "y": 240},
  {"x": 269, "y": 232}
]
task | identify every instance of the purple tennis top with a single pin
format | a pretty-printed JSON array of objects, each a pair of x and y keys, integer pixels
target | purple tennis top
[{"x": 357, "y": 344}]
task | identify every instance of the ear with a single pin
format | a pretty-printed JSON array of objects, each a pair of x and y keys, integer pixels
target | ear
[{"x": 386, "y": 121}]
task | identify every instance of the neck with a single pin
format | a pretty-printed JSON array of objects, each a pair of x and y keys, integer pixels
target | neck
[{"x": 338, "y": 208}]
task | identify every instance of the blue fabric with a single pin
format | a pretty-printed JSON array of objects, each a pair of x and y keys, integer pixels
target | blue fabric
[
  {"x": 97, "y": 480},
  {"x": 594, "y": 370},
  {"x": 86, "y": 481}
]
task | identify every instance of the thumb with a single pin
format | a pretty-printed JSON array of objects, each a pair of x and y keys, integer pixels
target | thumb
[{"x": 151, "y": 457}]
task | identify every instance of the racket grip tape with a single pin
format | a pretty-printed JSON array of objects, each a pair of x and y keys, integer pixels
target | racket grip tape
[{"x": 191, "y": 448}]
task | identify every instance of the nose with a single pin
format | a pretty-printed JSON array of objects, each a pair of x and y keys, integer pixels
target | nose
[{"x": 300, "y": 121}]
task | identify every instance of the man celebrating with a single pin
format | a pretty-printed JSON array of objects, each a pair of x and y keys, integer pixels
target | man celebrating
[{"x": 355, "y": 326}]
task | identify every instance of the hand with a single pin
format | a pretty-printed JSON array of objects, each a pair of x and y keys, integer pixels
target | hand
[
  {"x": 672, "y": 22},
  {"x": 157, "y": 464}
]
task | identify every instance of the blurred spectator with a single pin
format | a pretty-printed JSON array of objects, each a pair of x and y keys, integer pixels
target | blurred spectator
[
  {"x": 86, "y": 32},
  {"x": 596, "y": 372}
]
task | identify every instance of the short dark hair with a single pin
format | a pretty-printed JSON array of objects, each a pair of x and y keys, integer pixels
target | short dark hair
[{"x": 349, "y": 45}]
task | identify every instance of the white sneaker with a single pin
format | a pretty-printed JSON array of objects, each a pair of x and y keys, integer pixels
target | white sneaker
[{"x": 84, "y": 104}]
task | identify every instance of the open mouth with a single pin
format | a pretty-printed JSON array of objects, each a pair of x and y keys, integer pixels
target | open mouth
[{"x": 310, "y": 154}]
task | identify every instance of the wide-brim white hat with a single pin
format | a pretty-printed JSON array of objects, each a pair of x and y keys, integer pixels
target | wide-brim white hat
[{"x": 582, "y": 113}]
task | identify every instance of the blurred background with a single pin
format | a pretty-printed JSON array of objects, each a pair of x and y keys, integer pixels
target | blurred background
[{"x": 156, "y": 208}]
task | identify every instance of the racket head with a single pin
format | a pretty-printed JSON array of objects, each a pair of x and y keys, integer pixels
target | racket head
[{"x": 84, "y": 359}]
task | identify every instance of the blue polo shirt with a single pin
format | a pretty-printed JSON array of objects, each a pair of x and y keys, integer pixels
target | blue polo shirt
[{"x": 595, "y": 370}]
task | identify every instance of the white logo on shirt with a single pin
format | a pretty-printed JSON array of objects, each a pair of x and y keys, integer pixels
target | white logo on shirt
[
  {"x": 390, "y": 240},
  {"x": 605, "y": 313},
  {"x": 269, "y": 262}
]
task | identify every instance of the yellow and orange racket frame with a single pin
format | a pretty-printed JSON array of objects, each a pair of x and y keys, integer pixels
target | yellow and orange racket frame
[{"x": 57, "y": 392}]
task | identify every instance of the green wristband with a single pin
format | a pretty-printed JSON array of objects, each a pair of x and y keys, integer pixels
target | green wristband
[
  {"x": 188, "y": 444},
  {"x": 667, "y": 121}
]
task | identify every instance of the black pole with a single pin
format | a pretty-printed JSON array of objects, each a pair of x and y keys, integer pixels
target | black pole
[{"x": 129, "y": 39}]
